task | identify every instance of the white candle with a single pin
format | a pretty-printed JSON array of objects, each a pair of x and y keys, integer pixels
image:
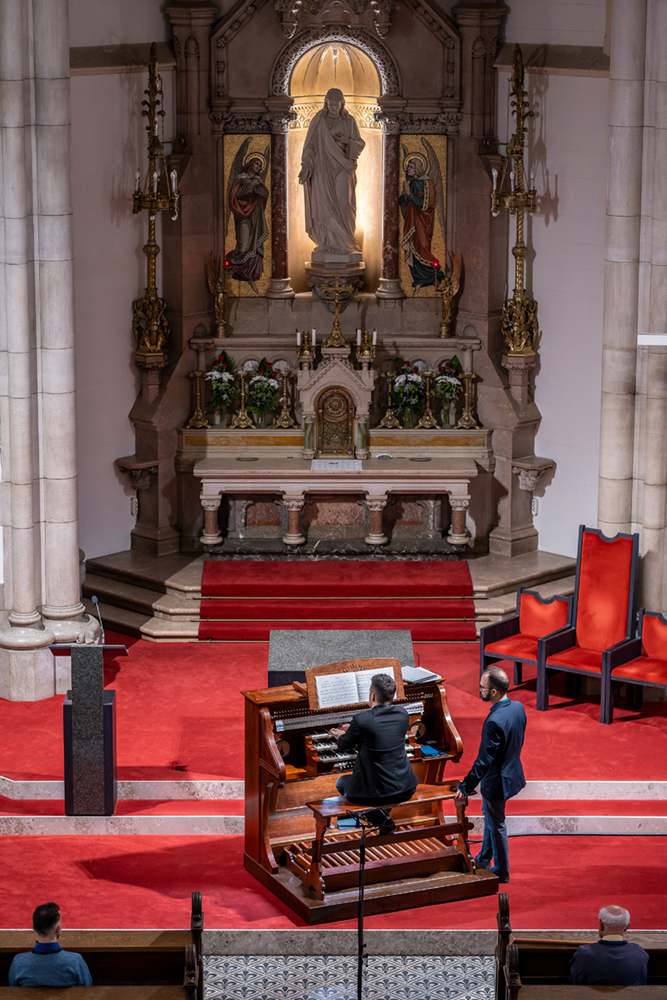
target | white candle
[
  {"x": 359, "y": 338},
  {"x": 298, "y": 338},
  {"x": 137, "y": 178},
  {"x": 494, "y": 174},
  {"x": 312, "y": 337},
  {"x": 512, "y": 179},
  {"x": 173, "y": 181},
  {"x": 375, "y": 337},
  {"x": 532, "y": 177},
  {"x": 155, "y": 182}
]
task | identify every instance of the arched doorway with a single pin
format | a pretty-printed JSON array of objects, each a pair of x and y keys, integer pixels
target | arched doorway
[{"x": 337, "y": 64}]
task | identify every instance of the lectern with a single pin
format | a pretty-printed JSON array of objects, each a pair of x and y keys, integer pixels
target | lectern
[{"x": 89, "y": 733}]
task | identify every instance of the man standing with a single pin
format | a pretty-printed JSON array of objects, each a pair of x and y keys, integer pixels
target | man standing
[
  {"x": 382, "y": 772},
  {"x": 48, "y": 964},
  {"x": 498, "y": 767},
  {"x": 611, "y": 961}
]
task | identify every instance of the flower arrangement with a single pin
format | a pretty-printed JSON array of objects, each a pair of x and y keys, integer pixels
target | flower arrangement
[
  {"x": 262, "y": 389},
  {"x": 223, "y": 385},
  {"x": 447, "y": 382},
  {"x": 409, "y": 389}
]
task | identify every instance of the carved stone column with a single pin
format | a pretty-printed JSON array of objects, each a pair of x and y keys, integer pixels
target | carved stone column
[
  {"x": 458, "y": 533},
  {"x": 294, "y": 506},
  {"x": 390, "y": 285},
  {"x": 376, "y": 506},
  {"x": 211, "y": 534},
  {"x": 280, "y": 115}
]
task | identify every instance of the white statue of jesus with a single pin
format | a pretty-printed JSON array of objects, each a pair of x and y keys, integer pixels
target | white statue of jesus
[{"x": 329, "y": 178}]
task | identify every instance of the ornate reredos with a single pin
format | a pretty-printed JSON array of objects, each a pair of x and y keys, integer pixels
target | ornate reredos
[{"x": 336, "y": 372}]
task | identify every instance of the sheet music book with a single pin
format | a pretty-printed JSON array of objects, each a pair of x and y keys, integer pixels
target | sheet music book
[
  {"x": 347, "y": 688},
  {"x": 414, "y": 674}
]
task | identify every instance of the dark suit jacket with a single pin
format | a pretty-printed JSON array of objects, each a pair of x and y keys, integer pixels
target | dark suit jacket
[
  {"x": 382, "y": 771},
  {"x": 609, "y": 963},
  {"x": 498, "y": 764}
]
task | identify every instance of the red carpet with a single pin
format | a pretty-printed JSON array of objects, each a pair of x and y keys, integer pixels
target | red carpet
[
  {"x": 133, "y": 882},
  {"x": 180, "y": 716},
  {"x": 331, "y": 594}
]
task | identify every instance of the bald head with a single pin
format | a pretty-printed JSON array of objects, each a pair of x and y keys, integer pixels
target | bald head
[{"x": 613, "y": 920}]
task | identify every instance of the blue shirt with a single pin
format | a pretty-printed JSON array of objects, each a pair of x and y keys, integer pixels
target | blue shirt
[
  {"x": 498, "y": 764},
  {"x": 609, "y": 963},
  {"x": 49, "y": 965}
]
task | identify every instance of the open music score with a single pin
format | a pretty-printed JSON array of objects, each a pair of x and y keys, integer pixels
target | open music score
[{"x": 351, "y": 688}]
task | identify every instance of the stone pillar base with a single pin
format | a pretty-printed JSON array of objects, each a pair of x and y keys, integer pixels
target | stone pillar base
[
  {"x": 513, "y": 542},
  {"x": 280, "y": 288},
  {"x": 390, "y": 288},
  {"x": 84, "y": 628},
  {"x": 27, "y": 674},
  {"x": 155, "y": 542}
]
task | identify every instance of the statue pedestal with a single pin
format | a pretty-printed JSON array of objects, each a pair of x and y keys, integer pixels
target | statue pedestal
[{"x": 321, "y": 275}]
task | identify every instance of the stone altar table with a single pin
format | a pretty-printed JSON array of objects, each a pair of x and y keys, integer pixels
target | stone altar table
[{"x": 292, "y": 477}]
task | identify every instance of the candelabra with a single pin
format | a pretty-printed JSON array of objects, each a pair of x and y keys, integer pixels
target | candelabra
[
  {"x": 242, "y": 420},
  {"x": 428, "y": 421},
  {"x": 467, "y": 421},
  {"x": 285, "y": 418},
  {"x": 448, "y": 290},
  {"x": 305, "y": 348},
  {"x": 216, "y": 278},
  {"x": 389, "y": 420},
  {"x": 158, "y": 194},
  {"x": 198, "y": 419},
  {"x": 366, "y": 344},
  {"x": 519, "y": 325},
  {"x": 336, "y": 338}
]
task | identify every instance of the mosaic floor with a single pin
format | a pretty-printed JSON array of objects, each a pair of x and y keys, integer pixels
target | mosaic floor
[{"x": 327, "y": 977}]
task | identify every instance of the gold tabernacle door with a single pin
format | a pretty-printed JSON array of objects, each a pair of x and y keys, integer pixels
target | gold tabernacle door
[{"x": 293, "y": 844}]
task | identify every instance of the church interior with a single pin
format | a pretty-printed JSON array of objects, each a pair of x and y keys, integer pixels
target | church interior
[{"x": 334, "y": 340}]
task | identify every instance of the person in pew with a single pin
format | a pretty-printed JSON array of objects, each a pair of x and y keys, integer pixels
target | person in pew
[
  {"x": 47, "y": 964},
  {"x": 382, "y": 772},
  {"x": 498, "y": 768},
  {"x": 611, "y": 961}
]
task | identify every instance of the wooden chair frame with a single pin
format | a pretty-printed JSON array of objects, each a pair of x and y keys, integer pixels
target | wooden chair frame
[{"x": 509, "y": 627}]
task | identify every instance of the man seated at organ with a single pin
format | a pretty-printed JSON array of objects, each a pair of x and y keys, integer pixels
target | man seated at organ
[
  {"x": 382, "y": 772},
  {"x": 611, "y": 961}
]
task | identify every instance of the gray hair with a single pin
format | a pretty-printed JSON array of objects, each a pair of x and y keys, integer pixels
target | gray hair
[{"x": 615, "y": 918}]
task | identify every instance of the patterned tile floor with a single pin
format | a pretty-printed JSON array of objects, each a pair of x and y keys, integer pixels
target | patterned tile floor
[{"x": 334, "y": 977}]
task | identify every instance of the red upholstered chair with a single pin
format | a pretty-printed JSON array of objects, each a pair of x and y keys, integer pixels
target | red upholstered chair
[
  {"x": 640, "y": 662},
  {"x": 516, "y": 638},
  {"x": 603, "y": 613}
]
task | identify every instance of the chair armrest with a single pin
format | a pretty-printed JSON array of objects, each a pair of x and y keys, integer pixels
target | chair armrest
[
  {"x": 621, "y": 652},
  {"x": 499, "y": 630},
  {"x": 556, "y": 642}
]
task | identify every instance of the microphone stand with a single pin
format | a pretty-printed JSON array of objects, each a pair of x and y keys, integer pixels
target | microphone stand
[{"x": 363, "y": 820}]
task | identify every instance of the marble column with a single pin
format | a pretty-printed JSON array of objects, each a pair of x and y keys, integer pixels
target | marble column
[
  {"x": 38, "y": 412},
  {"x": 390, "y": 284},
  {"x": 294, "y": 506},
  {"x": 376, "y": 506},
  {"x": 280, "y": 115},
  {"x": 211, "y": 534},
  {"x": 621, "y": 275},
  {"x": 458, "y": 533}
]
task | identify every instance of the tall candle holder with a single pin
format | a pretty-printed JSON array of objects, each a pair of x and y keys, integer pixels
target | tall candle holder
[
  {"x": 467, "y": 421},
  {"x": 285, "y": 418},
  {"x": 305, "y": 348},
  {"x": 366, "y": 349},
  {"x": 242, "y": 420},
  {"x": 158, "y": 194},
  {"x": 448, "y": 290},
  {"x": 216, "y": 278},
  {"x": 389, "y": 420},
  {"x": 198, "y": 418},
  {"x": 428, "y": 421}
]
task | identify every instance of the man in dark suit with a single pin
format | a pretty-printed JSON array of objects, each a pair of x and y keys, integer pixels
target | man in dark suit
[
  {"x": 611, "y": 961},
  {"x": 382, "y": 772},
  {"x": 498, "y": 767}
]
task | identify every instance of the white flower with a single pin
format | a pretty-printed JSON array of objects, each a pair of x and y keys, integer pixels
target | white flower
[
  {"x": 250, "y": 366},
  {"x": 400, "y": 380},
  {"x": 220, "y": 377},
  {"x": 448, "y": 378},
  {"x": 415, "y": 378}
]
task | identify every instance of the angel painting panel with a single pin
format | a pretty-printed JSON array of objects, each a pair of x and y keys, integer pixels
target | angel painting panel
[
  {"x": 247, "y": 197},
  {"x": 422, "y": 203}
]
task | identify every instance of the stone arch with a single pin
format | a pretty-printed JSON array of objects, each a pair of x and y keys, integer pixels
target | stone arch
[{"x": 316, "y": 35}]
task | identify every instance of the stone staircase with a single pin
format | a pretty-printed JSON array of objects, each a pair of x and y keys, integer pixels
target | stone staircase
[{"x": 159, "y": 598}]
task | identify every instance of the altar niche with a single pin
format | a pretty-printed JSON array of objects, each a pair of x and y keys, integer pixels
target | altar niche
[
  {"x": 334, "y": 422},
  {"x": 337, "y": 64}
]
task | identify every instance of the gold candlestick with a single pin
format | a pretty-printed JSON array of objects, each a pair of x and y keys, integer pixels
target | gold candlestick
[
  {"x": 242, "y": 419},
  {"x": 158, "y": 194},
  {"x": 448, "y": 290},
  {"x": 198, "y": 418},
  {"x": 285, "y": 418},
  {"x": 216, "y": 277},
  {"x": 466, "y": 421},
  {"x": 366, "y": 349},
  {"x": 305, "y": 351},
  {"x": 389, "y": 420},
  {"x": 428, "y": 421}
]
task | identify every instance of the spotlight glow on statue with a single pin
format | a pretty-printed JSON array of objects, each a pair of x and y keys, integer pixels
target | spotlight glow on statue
[{"x": 329, "y": 178}]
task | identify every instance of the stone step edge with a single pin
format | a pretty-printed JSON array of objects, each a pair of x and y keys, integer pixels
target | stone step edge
[
  {"x": 140, "y": 600},
  {"x": 203, "y": 826},
  {"x": 213, "y": 789}
]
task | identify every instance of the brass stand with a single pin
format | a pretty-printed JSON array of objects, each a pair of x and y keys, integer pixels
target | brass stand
[
  {"x": 198, "y": 418},
  {"x": 242, "y": 420},
  {"x": 149, "y": 323},
  {"x": 216, "y": 278},
  {"x": 449, "y": 287},
  {"x": 336, "y": 338},
  {"x": 519, "y": 326},
  {"x": 305, "y": 351},
  {"x": 466, "y": 421},
  {"x": 366, "y": 350},
  {"x": 285, "y": 418},
  {"x": 428, "y": 421},
  {"x": 389, "y": 420}
]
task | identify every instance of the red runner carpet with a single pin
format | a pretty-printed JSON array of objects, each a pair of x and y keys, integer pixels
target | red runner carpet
[{"x": 243, "y": 601}]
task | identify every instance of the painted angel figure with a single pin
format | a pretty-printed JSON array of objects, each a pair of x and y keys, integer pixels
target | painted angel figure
[
  {"x": 247, "y": 196},
  {"x": 422, "y": 198}
]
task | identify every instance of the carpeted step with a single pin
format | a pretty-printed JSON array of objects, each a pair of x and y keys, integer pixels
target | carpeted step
[
  {"x": 323, "y": 609},
  {"x": 259, "y": 631},
  {"x": 331, "y": 578}
]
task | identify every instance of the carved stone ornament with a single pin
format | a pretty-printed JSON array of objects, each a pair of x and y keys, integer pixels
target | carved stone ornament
[
  {"x": 440, "y": 123},
  {"x": 459, "y": 503},
  {"x": 528, "y": 478},
  {"x": 211, "y": 504},
  {"x": 139, "y": 477},
  {"x": 290, "y": 10},
  {"x": 293, "y": 504},
  {"x": 319, "y": 33},
  {"x": 376, "y": 504}
]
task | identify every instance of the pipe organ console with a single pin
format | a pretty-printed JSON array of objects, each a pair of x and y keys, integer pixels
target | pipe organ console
[{"x": 292, "y": 841}]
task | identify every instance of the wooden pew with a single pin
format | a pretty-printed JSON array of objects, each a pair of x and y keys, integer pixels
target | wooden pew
[
  {"x": 124, "y": 965},
  {"x": 538, "y": 968}
]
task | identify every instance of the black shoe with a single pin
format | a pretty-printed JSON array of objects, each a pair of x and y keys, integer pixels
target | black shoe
[{"x": 382, "y": 820}]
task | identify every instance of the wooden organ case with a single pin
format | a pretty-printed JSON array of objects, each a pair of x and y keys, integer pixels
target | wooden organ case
[{"x": 291, "y": 804}]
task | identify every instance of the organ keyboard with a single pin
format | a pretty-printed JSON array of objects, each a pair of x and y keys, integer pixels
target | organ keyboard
[{"x": 292, "y": 761}]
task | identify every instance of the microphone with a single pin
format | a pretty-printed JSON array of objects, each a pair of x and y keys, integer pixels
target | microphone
[{"x": 97, "y": 605}]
